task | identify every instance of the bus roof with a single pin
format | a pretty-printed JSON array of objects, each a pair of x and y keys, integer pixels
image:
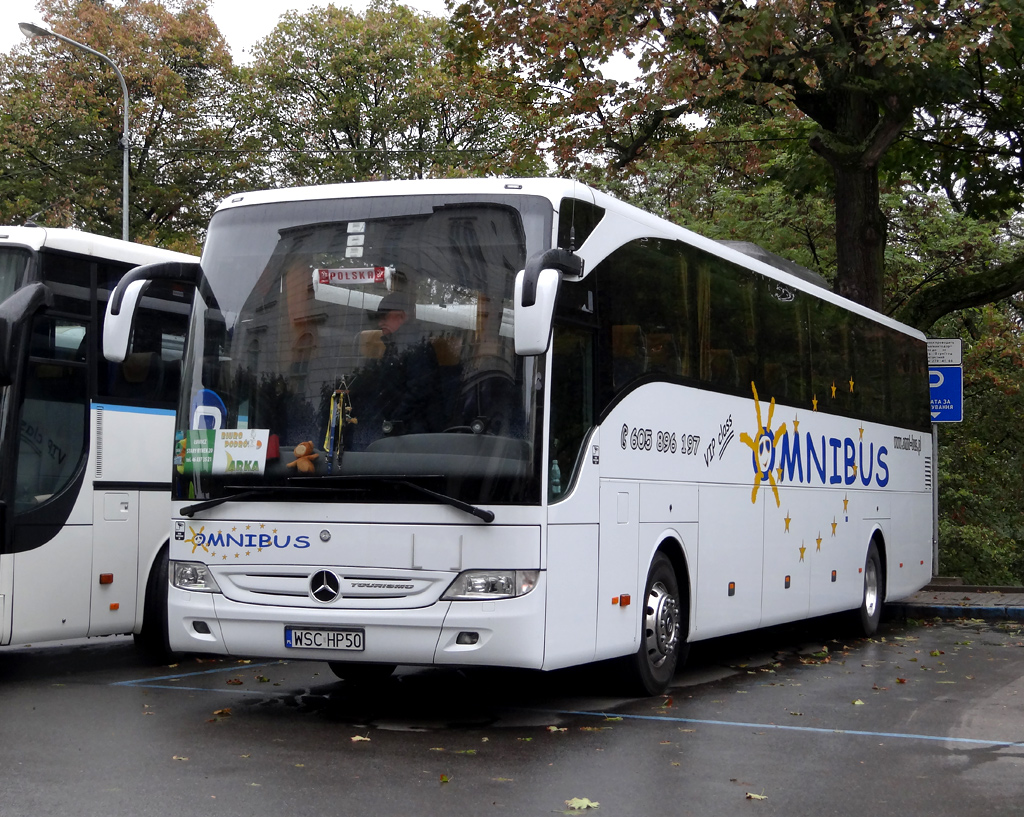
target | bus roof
[
  {"x": 640, "y": 224},
  {"x": 82, "y": 243}
]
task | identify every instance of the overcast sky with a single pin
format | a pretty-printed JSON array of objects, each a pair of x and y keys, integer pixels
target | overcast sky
[{"x": 242, "y": 22}]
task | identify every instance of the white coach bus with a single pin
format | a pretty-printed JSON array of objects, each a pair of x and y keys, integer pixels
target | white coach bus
[
  {"x": 84, "y": 480},
  {"x": 610, "y": 437}
]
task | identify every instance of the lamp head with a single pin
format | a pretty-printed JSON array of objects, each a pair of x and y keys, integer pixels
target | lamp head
[{"x": 31, "y": 30}]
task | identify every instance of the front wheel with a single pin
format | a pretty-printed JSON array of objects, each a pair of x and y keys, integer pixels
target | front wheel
[
  {"x": 152, "y": 641},
  {"x": 664, "y": 628},
  {"x": 869, "y": 614}
]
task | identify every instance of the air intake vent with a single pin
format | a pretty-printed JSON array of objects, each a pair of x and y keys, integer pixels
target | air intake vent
[{"x": 99, "y": 443}]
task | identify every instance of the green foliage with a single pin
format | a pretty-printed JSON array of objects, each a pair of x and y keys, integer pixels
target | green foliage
[
  {"x": 61, "y": 120},
  {"x": 334, "y": 96}
]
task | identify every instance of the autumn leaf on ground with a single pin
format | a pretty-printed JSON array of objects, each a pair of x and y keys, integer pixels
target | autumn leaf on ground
[
  {"x": 357, "y": 738},
  {"x": 179, "y": 757},
  {"x": 222, "y": 712},
  {"x": 234, "y": 682},
  {"x": 581, "y": 803},
  {"x": 858, "y": 702},
  {"x": 751, "y": 796},
  {"x": 558, "y": 728},
  {"x": 901, "y": 680},
  {"x": 613, "y": 718},
  {"x": 444, "y": 778}
]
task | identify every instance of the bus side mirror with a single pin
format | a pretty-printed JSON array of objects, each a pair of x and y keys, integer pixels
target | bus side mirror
[
  {"x": 14, "y": 311},
  {"x": 536, "y": 292},
  {"x": 124, "y": 301}
]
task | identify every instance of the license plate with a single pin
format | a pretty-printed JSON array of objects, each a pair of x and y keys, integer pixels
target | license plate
[{"x": 302, "y": 638}]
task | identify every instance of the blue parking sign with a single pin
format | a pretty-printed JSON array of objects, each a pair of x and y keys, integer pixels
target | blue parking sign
[{"x": 947, "y": 393}]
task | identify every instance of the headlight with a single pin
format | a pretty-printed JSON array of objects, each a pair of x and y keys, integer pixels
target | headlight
[
  {"x": 491, "y": 584},
  {"x": 193, "y": 576}
]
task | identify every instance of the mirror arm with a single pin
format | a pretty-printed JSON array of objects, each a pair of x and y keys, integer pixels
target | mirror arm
[
  {"x": 187, "y": 272},
  {"x": 558, "y": 259}
]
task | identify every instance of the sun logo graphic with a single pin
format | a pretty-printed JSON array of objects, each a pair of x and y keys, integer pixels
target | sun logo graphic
[
  {"x": 763, "y": 448},
  {"x": 198, "y": 539}
]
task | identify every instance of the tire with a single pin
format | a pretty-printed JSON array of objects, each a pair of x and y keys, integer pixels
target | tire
[
  {"x": 152, "y": 639},
  {"x": 361, "y": 674},
  {"x": 664, "y": 627},
  {"x": 869, "y": 614}
]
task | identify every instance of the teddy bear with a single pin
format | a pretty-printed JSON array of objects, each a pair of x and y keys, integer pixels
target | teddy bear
[{"x": 304, "y": 456}]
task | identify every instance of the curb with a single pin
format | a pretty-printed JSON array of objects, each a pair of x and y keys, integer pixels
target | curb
[{"x": 994, "y": 613}]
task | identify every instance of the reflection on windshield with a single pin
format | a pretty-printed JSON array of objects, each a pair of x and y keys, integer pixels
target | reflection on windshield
[
  {"x": 364, "y": 338},
  {"x": 13, "y": 263}
]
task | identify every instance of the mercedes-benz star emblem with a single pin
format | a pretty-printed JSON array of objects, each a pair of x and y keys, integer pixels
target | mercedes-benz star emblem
[{"x": 324, "y": 586}]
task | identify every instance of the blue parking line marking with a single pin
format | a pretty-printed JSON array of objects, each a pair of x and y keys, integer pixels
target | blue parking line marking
[
  {"x": 817, "y": 729},
  {"x": 150, "y": 682}
]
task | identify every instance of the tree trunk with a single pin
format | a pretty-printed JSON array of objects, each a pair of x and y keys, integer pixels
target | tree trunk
[{"x": 861, "y": 232}]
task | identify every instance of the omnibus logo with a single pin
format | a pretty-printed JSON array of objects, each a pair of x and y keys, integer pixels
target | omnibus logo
[
  {"x": 244, "y": 539},
  {"x": 779, "y": 455},
  {"x": 763, "y": 448}
]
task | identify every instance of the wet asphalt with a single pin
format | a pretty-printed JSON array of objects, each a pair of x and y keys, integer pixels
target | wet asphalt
[{"x": 926, "y": 718}]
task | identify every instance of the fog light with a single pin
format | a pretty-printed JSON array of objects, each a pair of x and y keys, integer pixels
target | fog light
[
  {"x": 201, "y": 627},
  {"x": 467, "y": 638}
]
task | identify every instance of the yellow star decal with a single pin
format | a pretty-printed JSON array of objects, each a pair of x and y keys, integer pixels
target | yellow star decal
[
  {"x": 846, "y": 504},
  {"x": 818, "y": 540},
  {"x": 802, "y": 551},
  {"x": 851, "y": 385},
  {"x": 814, "y": 402},
  {"x": 236, "y": 555},
  {"x": 234, "y": 529},
  {"x": 834, "y": 525},
  {"x": 862, "y": 431},
  {"x": 224, "y": 557},
  {"x": 854, "y": 469},
  {"x": 796, "y": 425},
  {"x": 779, "y": 469},
  {"x": 262, "y": 526},
  {"x": 247, "y": 554},
  {"x": 788, "y": 520},
  {"x": 833, "y": 390},
  {"x": 248, "y": 527}
]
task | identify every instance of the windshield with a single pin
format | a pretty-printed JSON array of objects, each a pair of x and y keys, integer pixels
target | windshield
[
  {"x": 13, "y": 264},
  {"x": 355, "y": 345}
]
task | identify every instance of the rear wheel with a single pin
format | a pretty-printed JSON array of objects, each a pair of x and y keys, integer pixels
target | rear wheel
[
  {"x": 664, "y": 627},
  {"x": 361, "y": 673},
  {"x": 869, "y": 614}
]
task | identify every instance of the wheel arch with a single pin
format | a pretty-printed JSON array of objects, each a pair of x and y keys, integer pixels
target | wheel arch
[
  {"x": 878, "y": 539},
  {"x": 671, "y": 545}
]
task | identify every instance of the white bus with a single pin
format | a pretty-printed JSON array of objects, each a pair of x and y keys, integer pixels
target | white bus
[
  {"x": 84, "y": 443},
  {"x": 612, "y": 437}
]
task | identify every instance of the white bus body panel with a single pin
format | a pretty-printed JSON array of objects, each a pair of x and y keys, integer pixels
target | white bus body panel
[
  {"x": 760, "y": 560},
  {"x": 394, "y": 576}
]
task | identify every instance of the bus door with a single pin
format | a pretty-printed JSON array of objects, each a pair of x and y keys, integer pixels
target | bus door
[
  {"x": 48, "y": 442},
  {"x": 618, "y": 598}
]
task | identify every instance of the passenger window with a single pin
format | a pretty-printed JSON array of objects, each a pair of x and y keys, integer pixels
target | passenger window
[{"x": 54, "y": 413}]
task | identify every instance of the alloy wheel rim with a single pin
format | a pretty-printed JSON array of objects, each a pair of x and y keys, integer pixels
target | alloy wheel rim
[{"x": 661, "y": 624}]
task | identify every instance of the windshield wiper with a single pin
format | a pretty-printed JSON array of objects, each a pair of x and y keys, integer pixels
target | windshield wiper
[
  {"x": 191, "y": 510},
  {"x": 479, "y": 513}
]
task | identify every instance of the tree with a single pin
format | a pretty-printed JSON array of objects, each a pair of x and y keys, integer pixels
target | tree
[
  {"x": 333, "y": 96},
  {"x": 863, "y": 74},
  {"x": 60, "y": 120}
]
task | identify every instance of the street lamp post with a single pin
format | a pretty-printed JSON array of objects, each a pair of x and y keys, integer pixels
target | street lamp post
[{"x": 30, "y": 30}]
